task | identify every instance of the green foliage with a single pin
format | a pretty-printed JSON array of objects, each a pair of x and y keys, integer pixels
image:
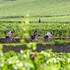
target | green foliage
[
  {"x": 60, "y": 42},
  {"x": 1, "y": 47},
  {"x": 28, "y": 60},
  {"x": 59, "y": 11},
  {"x": 22, "y": 41},
  {"x": 24, "y": 29},
  {"x": 51, "y": 43},
  {"x": 49, "y": 67}
]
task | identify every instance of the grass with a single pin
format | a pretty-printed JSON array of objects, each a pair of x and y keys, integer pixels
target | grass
[
  {"x": 51, "y": 19},
  {"x": 34, "y": 7},
  {"x": 49, "y": 11}
]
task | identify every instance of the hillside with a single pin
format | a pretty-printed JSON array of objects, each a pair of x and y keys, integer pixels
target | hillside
[{"x": 35, "y": 7}]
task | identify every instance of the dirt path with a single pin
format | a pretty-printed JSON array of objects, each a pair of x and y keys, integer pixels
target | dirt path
[
  {"x": 40, "y": 47},
  {"x": 17, "y": 40}
]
